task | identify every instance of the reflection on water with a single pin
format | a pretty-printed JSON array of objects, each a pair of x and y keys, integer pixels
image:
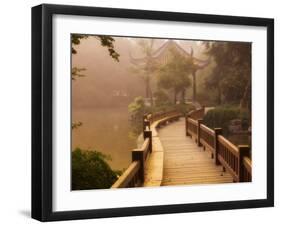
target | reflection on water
[{"x": 106, "y": 130}]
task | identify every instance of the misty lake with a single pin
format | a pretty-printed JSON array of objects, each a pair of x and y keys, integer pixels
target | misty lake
[{"x": 106, "y": 130}]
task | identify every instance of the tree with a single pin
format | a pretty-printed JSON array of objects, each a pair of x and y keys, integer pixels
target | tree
[
  {"x": 137, "y": 109},
  {"x": 161, "y": 98},
  {"x": 89, "y": 167},
  {"x": 75, "y": 72},
  {"x": 146, "y": 70},
  {"x": 91, "y": 171},
  {"x": 175, "y": 74},
  {"x": 105, "y": 41},
  {"x": 231, "y": 75},
  {"x": 76, "y": 125}
]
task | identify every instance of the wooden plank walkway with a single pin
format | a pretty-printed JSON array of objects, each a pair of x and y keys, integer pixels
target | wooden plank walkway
[
  {"x": 153, "y": 172},
  {"x": 184, "y": 161}
]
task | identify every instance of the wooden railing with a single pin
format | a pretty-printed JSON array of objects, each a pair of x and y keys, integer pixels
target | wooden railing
[
  {"x": 130, "y": 178},
  {"x": 235, "y": 159},
  {"x": 197, "y": 113},
  {"x": 207, "y": 138},
  {"x": 247, "y": 169},
  {"x": 192, "y": 126},
  {"x": 161, "y": 115},
  {"x": 134, "y": 174}
]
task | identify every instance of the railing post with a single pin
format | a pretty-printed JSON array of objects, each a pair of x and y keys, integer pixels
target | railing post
[
  {"x": 148, "y": 134},
  {"x": 186, "y": 125},
  {"x": 138, "y": 155},
  {"x": 243, "y": 151},
  {"x": 145, "y": 123},
  {"x": 218, "y": 131},
  {"x": 199, "y": 132}
]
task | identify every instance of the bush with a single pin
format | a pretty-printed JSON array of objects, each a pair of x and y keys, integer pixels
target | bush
[
  {"x": 184, "y": 108},
  {"x": 221, "y": 117},
  {"x": 207, "y": 98},
  {"x": 91, "y": 171},
  {"x": 137, "y": 109},
  {"x": 161, "y": 98}
]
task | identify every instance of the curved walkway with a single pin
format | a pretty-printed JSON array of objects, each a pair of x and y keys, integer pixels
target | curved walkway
[{"x": 184, "y": 161}]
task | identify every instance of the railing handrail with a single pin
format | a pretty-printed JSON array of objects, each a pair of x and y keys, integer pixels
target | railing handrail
[
  {"x": 247, "y": 163},
  {"x": 151, "y": 117},
  {"x": 126, "y": 178},
  {"x": 135, "y": 172},
  {"x": 230, "y": 146},
  {"x": 246, "y": 169},
  {"x": 233, "y": 158},
  {"x": 207, "y": 130},
  {"x": 144, "y": 146},
  {"x": 197, "y": 113}
]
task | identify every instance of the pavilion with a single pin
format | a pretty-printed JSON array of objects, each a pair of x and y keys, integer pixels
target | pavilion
[{"x": 161, "y": 56}]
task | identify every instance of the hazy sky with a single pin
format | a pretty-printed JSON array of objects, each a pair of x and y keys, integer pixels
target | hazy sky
[{"x": 104, "y": 76}]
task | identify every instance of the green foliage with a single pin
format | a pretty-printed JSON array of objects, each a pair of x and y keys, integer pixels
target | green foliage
[
  {"x": 231, "y": 76},
  {"x": 75, "y": 125},
  {"x": 108, "y": 41},
  {"x": 75, "y": 40},
  {"x": 137, "y": 106},
  {"x": 137, "y": 109},
  {"x": 220, "y": 117},
  {"x": 161, "y": 98},
  {"x": 207, "y": 97},
  {"x": 162, "y": 103},
  {"x": 175, "y": 73},
  {"x": 91, "y": 171},
  {"x": 184, "y": 108},
  {"x": 75, "y": 73},
  {"x": 146, "y": 45},
  {"x": 146, "y": 70},
  {"x": 105, "y": 41}
]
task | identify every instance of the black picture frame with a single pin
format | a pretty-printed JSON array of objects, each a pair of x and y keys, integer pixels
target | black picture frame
[{"x": 42, "y": 106}]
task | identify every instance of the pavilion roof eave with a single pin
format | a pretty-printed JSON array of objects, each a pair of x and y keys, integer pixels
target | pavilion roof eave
[{"x": 200, "y": 64}]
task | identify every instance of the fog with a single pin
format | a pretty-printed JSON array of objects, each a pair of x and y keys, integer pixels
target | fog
[
  {"x": 104, "y": 77},
  {"x": 100, "y": 99}
]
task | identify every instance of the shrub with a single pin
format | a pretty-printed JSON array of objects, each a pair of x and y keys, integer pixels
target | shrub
[
  {"x": 184, "y": 108},
  {"x": 91, "y": 171},
  {"x": 207, "y": 98},
  {"x": 161, "y": 98},
  {"x": 137, "y": 109},
  {"x": 221, "y": 117}
]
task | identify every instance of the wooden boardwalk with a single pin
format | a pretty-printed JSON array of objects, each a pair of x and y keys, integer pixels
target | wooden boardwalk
[{"x": 184, "y": 161}]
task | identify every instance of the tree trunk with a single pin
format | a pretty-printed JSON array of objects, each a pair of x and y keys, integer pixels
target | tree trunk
[
  {"x": 245, "y": 100},
  {"x": 194, "y": 86},
  {"x": 183, "y": 96},
  {"x": 147, "y": 88},
  {"x": 175, "y": 97},
  {"x": 150, "y": 94},
  {"x": 219, "y": 95}
]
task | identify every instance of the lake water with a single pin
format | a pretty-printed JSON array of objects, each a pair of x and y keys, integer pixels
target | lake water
[{"x": 106, "y": 130}]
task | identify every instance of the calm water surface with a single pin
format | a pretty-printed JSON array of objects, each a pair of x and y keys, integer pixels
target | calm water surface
[{"x": 106, "y": 130}]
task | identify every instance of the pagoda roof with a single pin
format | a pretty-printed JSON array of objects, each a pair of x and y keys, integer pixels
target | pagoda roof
[{"x": 162, "y": 50}]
